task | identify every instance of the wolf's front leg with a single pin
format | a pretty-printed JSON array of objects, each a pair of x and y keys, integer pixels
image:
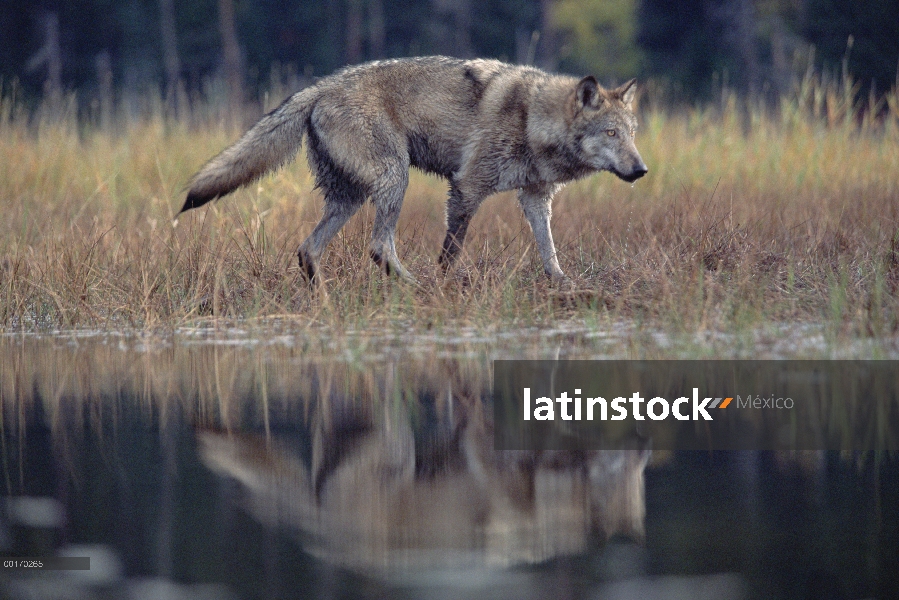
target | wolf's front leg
[
  {"x": 460, "y": 208},
  {"x": 536, "y": 202}
]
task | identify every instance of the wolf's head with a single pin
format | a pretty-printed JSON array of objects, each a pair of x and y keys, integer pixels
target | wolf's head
[{"x": 604, "y": 125}]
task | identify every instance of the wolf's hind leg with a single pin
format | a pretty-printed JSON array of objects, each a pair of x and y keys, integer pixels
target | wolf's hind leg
[
  {"x": 339, "y": 207},
  {"x": 536, "y": 202},
  {"x": 387, "y": 196}
]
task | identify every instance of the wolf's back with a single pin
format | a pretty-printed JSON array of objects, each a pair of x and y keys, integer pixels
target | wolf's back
[{"x": 270, "y": 143}]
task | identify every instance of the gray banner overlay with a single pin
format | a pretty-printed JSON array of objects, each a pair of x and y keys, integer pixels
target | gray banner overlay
[
  {"x": 47, "y": 563},
  {"x": 696, "y": 405}
]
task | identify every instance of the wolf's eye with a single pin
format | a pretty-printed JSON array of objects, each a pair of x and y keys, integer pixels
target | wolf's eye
[{"x": 610, "y": 132}]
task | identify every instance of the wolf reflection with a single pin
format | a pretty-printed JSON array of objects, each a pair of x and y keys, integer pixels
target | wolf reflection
[{"x": 377, "y": 495}]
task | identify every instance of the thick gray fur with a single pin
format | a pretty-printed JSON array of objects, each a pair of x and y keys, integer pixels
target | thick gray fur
[{"x": 484, "y": 125}]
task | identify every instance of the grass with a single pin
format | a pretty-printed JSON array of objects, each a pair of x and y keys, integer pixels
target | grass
[{"x": 749, "y": 214}]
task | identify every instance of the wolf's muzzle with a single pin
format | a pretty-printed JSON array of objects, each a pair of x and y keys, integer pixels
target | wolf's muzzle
[{"x": 638, "y": 171}]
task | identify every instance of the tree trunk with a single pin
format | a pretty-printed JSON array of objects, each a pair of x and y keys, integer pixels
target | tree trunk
[
  {"x": 171, "y": 62},
  {"x": 103, "y": 67},
  {"x": 376, "y": 32},
  {"x": 546, "y": 48},
  {"x": 746, "y": 44},
  {"x": 50, "y": 55},
  {"x": 354, "y": 32},
  {"x": 334, "y": 31},
  {"x": 231, "y": 55},
  {"x": 463, "y": 45}
]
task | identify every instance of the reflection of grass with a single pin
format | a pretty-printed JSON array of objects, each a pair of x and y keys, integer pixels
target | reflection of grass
[
  {"x": 747, "y": 215},
  {"x": 239, "y": 378},
  {"x": 216, "y": 382}
]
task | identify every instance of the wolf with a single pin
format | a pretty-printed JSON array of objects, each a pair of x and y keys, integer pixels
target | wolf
[
  {"x": 373, "y": 495},
  {"x": 484, "y": 125}
]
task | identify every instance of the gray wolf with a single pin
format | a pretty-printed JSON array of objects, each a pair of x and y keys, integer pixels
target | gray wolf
[
  {"x": 484, "y": 125},
  {"x": 371, "y": 494}
]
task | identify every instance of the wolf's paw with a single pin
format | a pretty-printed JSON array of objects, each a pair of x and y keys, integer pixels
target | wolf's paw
[
  {"x": 393, "y": 267},
  {"x": 308, "y": 268},
  {"x": 456, "y": 274},
  {"x": 562, "y": 282}
]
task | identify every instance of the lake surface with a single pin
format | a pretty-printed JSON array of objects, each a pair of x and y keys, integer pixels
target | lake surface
[{"x": 284, "y": 462}]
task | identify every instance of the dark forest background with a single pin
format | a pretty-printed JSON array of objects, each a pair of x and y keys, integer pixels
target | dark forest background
[{"x": 689, "y": 47}]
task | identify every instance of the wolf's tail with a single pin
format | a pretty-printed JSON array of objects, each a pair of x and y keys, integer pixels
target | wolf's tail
[{"x": 270, "y": 143}]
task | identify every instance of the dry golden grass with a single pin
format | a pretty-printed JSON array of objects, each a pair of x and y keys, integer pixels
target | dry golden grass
[{"x": 747, "y": 215}]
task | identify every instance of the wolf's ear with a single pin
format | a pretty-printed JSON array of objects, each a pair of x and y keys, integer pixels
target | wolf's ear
[
  {"x": 627, "y": 92},
  {"x": 588, "y": 92}
]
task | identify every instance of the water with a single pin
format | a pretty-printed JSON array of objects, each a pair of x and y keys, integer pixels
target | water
[{"x": 234, "y": 463}]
